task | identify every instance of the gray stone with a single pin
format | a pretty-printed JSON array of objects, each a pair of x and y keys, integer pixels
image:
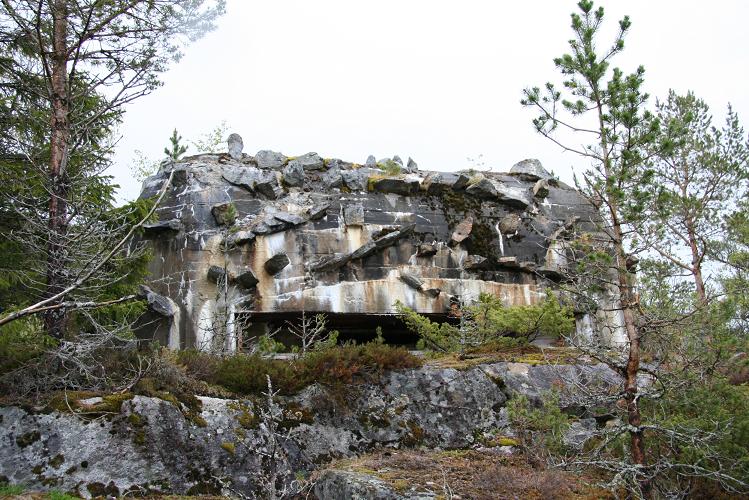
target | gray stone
[
  {"x": 392, "y": 237},
  {"x": 426, "y": 250},
  {"x": 288, "y": 218},
  {"x": 355, "y": 180},
  {"x": 161, "y": 227},
  {"x": 163, "y": 306},
  {"x": 268, "y": 186},
  {"x": 395, "y": 185},
  {"x": 462, "y": 230},
  {"x": 235, "y": 146},
  {"x": 241, "y": 176},
  {"x": 371, "y": 162},
  {"x": 461, "y": 182},
  {"x": 397, "y": 159},
  {"x": 241, "y": 237},
  {"x": 541, "y": 188},
  {"x": 484, "y": 189},
  {"x": 224, "y": 213},
  {"x": 510, "y": 224},
  {"x": 353, "y": 215},
  {"x": 270, "y": 159},
  {"x": 310, "y": 161},
  {"x": 335, "y": 484},
  {"x": 246, "y": 278},
  {"x": 216, "y": 274},
  {"x": 363, "y": 251},
  {"x": 275, "y": 264},
  {"x": 332, "y": 178},
  {"x": 439, "y": 182},
  {"x": 318, "y": 211},
  {"x": 411, "y": 166},
  {"x": 411, "y": 280},
  {"x": 579, "y": 432},
  {"x": 293, "y": 174},
  {"x": 450, "y": 406},
  {"x": 513, "y": 195},
  {"x": 475, "y": 263},
  {"x": 530, "y": 169}
]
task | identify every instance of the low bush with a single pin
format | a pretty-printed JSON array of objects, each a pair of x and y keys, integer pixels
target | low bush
[
  {"x": 489, "y": 322},
  {"x": 345, "y": 364}
]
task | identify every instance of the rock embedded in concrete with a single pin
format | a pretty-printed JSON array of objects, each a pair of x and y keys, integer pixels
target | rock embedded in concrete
[
  {"x": 235, "y": 146},
  {"x": 224, "y": 213},
  {"x": 411, "y": 166},
  {"x": 354, "y": 215},
  {"x": 162, "y": 227},
  {"x": 241, "y": 237},
  {"x": 402, "y": 186},
  {"x": 276, "y": 264},
  {"x": 371, "y": 161},
  {"x": 530, "y": 169},
  {"x": 216, "y": 274},
  {"x": 462, "y": 230},
  {"x": 270, "y": 159},
  {"x": 541, "y": 188},
  {"x": 510, "y": 224},
  {"x": 293, "y": 174},
  {"x": 247, "y": 279},
  {"x": 159, "y": 304},
  {"x": 310, "y": 161},
  {"x": 411, "y": 280}
]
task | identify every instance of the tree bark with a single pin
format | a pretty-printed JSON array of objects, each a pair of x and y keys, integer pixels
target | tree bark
[{"x": 55, "y": 319}]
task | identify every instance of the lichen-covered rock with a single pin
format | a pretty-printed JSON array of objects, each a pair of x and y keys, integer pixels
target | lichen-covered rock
[
  {"x": 146, "y": 445},
  {"x": 293, "y": 174},
  {"x": 235, "y": 146},
  {"x": 270, "y": 159},
  {"x": 530, "y": 169}
]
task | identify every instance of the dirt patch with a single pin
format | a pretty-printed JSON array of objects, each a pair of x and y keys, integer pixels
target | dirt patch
[{"x": 473, "y": 474}]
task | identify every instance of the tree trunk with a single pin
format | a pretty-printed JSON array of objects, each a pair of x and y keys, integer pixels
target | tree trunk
[
  {"x": 634, "y": 418},
  {"x": 699, "y": 282},
  {"x": 55, "y": 319}
]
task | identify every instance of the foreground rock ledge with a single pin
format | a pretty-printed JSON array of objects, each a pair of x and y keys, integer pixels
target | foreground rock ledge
[{"x": 150, "y": 445}]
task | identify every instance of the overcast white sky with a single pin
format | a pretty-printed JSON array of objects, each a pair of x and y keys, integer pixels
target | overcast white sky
[{"x": 439, "y": 81}]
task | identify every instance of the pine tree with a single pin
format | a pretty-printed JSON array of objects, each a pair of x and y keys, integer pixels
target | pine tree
[{"x": 604, "y": 108}]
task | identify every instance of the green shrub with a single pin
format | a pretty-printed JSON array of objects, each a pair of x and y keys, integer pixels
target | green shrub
[
  {"x": 245, "y": 374},
  {"x": 538, "y": 428},
  {"x": 21, "y": 341},
  {"x": 487, "y": 321},
  {"x": 390, "y": 167}
]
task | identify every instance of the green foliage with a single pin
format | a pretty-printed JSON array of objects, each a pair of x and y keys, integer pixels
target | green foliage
[
  {"x": 487, "y": 321},
  {"x": 175, "y": 149},
  {"x": 544, "y": 425},
  {"x": 213, "y": 140},
  {"x": 336, "y": 366},
  {"x": 267, "y": 345},
  {"x": 22, "y": 341},
  {"x": 11, "y": 490},
  {"x": 390, "y": 167}
]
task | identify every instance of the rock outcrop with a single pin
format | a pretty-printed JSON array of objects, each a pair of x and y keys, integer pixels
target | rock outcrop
[
  {"x": 354, "y": 239},
  {"x": 135, "y": 445}
]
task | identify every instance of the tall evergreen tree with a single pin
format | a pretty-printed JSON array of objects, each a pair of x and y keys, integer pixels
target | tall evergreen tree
[
  {"x": 604, "y": 108},
  {"x": 88, "y": 59},
  {"x": 698, "y": 169}
]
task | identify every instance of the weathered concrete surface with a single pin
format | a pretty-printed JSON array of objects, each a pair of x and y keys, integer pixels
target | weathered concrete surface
[
  {"x": 330, "y": 217},
  {"x": 151, "y": 445}
]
